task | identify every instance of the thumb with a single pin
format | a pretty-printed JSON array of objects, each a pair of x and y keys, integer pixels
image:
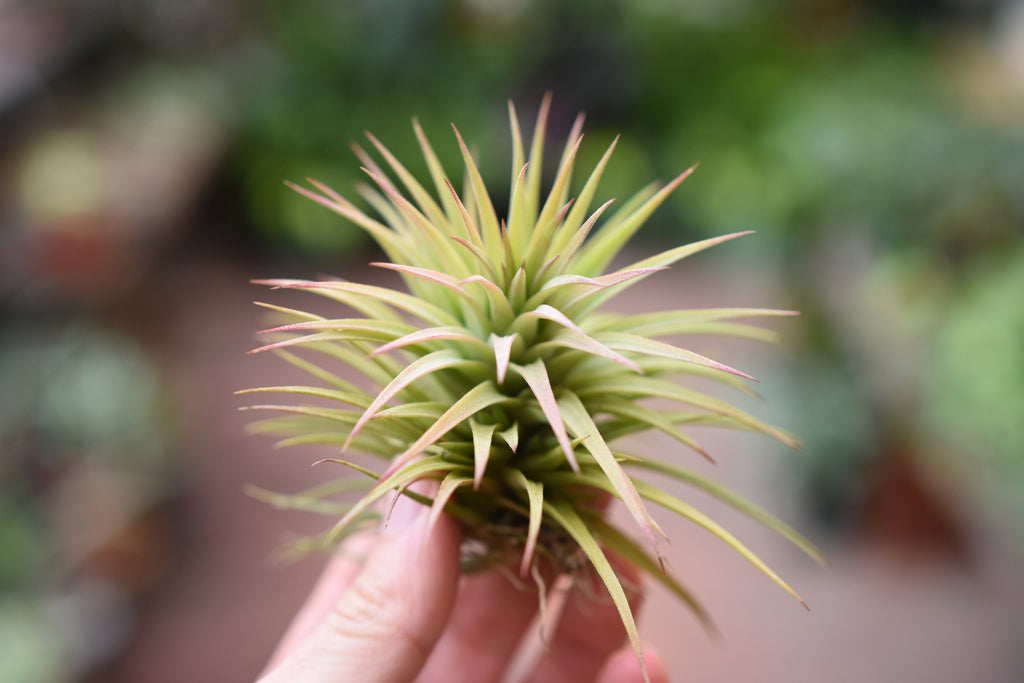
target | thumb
[{"x": 387, "y": 622}]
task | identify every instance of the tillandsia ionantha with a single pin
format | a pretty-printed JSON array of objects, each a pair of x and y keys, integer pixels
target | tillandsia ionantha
[{"x": 499, "y": 376}]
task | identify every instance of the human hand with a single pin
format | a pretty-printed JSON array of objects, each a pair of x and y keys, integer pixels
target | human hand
[{"x": 405, "y": 616}]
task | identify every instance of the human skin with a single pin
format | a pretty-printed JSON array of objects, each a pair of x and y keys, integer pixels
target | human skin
[{"x": 406, "y": 614}]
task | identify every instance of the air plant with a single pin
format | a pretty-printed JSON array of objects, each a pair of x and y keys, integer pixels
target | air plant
[{"x": 498, "y": 375}]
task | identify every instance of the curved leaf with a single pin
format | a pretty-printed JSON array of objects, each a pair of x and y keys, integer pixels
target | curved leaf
[
  {"x": 733, "y": 500},
  {"x": 656, "y": 495},
  {"x": 398, "y": 479},
  {"x": 568, "y": 519},
  {"x": 432, "y": 362},
  {"x": 482, "y": 435},
  {"x": 535, "y": 494},
  {"x": 619, "y": 543},
  {"x": 536, "y": 376},
  {"x": 582, "y": 426},
  {"x": 475, "y": 400}
]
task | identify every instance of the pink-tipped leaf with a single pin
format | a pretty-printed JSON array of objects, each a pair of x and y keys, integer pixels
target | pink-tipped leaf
[
  {"x": 482, "y": 438},
  {"x": 476, "y": 399},
  {"x": 502, "y": 353},
  {"x": 425, "y": 365},
  {"x": 536, "y": 376},
  {"x": 582, "y": 426}
]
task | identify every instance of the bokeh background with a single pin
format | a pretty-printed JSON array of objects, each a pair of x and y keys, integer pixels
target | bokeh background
[{"x": 876, "y": 146}]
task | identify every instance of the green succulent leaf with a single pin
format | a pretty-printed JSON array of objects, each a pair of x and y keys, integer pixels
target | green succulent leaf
[
  {"x": 318, "y": 372},
  {"x": 619, "y": 543},
  {"x": 669, "y": 501},
  {"x": 497, "y": 373},
  {"x": 399, "y": 480},
  {"x": 482, "y": 439},
  {"x": 432, "y": 334},
  {"x": 566, "y": 516},
  {"x": 733, "y": 500},
  {"x": 582, "y": 426},
  {"x": 599, "y": 253},
  {"x": 536, "y": 375},
  {"x": 451, "y": 482},
  {"x": 311, "y": 500},
  {"x": 649, "y": 347},
  {"x": 535, "y": 493},
  {"x": 421, "y": 367},
  {"x": 349, "y": 397},
  {"x": 476, "y": 399}
]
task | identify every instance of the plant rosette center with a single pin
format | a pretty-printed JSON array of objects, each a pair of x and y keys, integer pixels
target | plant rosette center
[{"x": 499, "y": 374}]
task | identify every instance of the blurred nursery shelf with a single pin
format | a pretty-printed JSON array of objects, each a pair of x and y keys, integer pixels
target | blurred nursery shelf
[
  {"x": 103, "y": 161},
  {"x": 100, "y": 170}
]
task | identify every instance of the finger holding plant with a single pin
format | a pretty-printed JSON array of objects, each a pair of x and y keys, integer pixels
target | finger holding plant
[
  {"x": 391, "y": 608},
  {"x": 500, "y": 377}
]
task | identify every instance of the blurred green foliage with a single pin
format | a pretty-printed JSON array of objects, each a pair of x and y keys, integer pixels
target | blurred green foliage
[
  {"x": 800, "y": 123},
  {"x": 77, "y": 404},
  {"x": 975, "y": 398},
  {"x": 79, "y": 388}
]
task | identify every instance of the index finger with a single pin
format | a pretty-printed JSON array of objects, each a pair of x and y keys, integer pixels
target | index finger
[{"x": 339, "y": 573}]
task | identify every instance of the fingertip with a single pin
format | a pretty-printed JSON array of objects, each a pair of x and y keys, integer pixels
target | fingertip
[
  {"x": 424, "y": 569},
  {"x": 623, "y": 667},
  {"x": 656, "y": 668},
  {"x": 391, "y": 616},
  {"x": 339, "y": 573}
]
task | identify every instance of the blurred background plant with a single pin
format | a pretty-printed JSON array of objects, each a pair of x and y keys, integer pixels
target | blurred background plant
[{"x": 877, "y": 146}]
